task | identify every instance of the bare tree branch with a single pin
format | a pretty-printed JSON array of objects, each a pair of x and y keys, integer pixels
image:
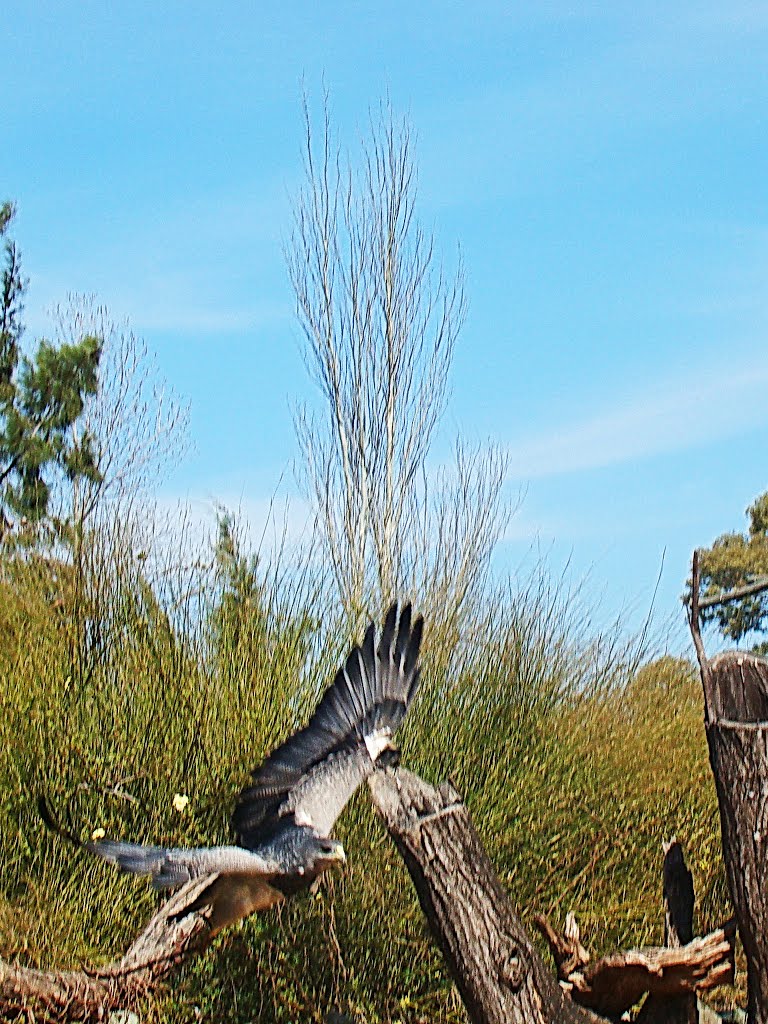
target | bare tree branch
[
  {"x": 380, "y": 319},
  {"x": 694, "y": 622},
  {"x": 736, "y": 594}
]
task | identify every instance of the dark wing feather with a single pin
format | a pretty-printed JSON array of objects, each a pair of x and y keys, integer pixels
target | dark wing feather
[{"x": 370, "y": 693}]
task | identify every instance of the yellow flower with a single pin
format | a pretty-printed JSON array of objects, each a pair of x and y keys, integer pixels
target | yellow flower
[
  {"x": 180, "y": 802},
  {"x": 98, "y": 833}
]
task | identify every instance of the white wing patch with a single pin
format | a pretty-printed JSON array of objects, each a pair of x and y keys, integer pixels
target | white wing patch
[{"x": 378, "y": 741}]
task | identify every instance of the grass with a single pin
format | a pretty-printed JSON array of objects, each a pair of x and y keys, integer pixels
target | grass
[{"x": 576, "y": 754}]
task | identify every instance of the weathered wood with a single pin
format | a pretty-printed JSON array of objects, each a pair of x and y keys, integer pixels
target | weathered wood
[
  {"x": 737, "y": 734},
  {"x": 679, "y": 896},
  {"x": 757, "y": 586},
  {"x": 567, "y": 951},
  {"x": 613, "y": 984},
  {"x": 500, "y": 975},
  {"x": 694, "y": 621},
  {"x": 735, "y": 688},
  {"x": 173, "y": 934}
]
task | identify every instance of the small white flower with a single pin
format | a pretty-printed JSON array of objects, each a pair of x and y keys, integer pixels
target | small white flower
[
  {"x": 98, "y": 833},
  {"x": 180, "y": 801}
]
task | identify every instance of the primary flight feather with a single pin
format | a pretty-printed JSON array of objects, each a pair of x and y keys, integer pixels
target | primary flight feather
[{"x": 284, "y": 818}]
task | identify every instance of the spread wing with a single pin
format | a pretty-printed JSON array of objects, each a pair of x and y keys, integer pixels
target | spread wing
[{"x": 315, "y": 772}]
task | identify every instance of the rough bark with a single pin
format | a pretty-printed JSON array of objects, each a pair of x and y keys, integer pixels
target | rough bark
[
  {"x": 500, "y": 975},
  {"x": 736, "y": 716},
  {"x": 174, "y": 933},
  {"x": 737, "y": 734}
]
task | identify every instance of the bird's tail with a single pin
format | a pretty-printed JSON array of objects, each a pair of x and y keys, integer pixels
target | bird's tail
[
  {"x": 52, "y": 822},
  {"x": 166, "y": 870}
]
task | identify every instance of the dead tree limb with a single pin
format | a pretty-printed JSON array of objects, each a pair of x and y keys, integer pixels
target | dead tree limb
[
  {"x": 500, "y": 975},
  {"x": 694, "y": 621},
  {"x": 671, "y": 975},
  {"x": 758, "y": 586},
  {"x": 174, "y": 933}
]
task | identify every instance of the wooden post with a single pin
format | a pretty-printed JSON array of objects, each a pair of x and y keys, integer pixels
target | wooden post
[
  {"x": 678, "y": 931},
  {"x": 737, "y": 734},
  {"x": 736, "y": 717}
]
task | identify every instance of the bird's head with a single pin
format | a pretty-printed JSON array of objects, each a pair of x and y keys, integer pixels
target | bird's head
[
  {"x": 326, "y": 853},
  {"x": 303, "y": 855}
]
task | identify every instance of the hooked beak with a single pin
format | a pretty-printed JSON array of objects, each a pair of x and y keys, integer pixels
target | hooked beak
[{"x": 338, "y": 855}]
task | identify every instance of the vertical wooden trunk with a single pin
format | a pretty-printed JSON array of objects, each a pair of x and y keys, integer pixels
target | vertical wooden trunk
[{"x": 736, "y": 692}]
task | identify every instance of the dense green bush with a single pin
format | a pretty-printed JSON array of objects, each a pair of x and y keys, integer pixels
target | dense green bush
[{"x": 142, "y": 678}]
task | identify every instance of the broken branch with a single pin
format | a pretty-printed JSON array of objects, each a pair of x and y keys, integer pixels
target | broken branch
[{"x": 174, "y": 933}]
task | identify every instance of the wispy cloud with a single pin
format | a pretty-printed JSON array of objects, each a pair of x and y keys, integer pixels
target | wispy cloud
[
  {"x": 266, "y": 525},
  {"x": 200, "y": 263},
  {"x": 170, "y": 305},
  {"x": 543, "y": 127},
  {"x": 672, "y": 417}
]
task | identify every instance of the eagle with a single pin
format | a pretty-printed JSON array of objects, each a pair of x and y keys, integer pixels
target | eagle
[{"x": 284, "y": 818}]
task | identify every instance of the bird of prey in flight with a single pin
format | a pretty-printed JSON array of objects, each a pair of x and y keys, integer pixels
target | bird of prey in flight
[{"x": 284, "y": 818}]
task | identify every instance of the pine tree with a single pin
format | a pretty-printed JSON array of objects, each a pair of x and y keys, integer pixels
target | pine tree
[{"x": 42, "y": 395}]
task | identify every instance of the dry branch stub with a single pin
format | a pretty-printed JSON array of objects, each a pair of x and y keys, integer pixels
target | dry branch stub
[{"x": 679, "y": 898}]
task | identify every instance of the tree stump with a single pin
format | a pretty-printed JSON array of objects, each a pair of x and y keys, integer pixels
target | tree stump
[
  {"x": 737, "y": 735},
  {"x": 735, "y": 688},
  {"x": 499, "y": 974}
]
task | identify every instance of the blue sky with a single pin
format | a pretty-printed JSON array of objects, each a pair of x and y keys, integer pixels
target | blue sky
[{"x": 603, "y": 168}]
